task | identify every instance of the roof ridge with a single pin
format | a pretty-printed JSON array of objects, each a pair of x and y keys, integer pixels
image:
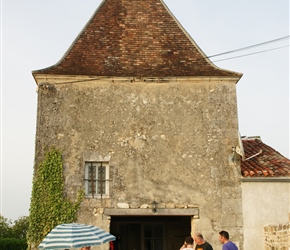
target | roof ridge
[{"x": 255, "y": 137}]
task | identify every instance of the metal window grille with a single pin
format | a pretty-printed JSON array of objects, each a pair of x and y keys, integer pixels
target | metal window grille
[{"x": 96, "y": 179}]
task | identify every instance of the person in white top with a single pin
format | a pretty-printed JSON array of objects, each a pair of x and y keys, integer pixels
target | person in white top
[{"x": 188, "y": 244}]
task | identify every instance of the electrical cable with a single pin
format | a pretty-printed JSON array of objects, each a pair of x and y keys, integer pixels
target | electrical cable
[
  {"x": 251, "y": 46},
  {"x": 251, "y": 53}
]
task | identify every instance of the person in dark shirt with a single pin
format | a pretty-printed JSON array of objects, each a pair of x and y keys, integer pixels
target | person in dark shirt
[{"x": 201, "y": 244}]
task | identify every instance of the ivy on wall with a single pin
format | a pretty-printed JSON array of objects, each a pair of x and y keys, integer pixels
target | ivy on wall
[{"x": 49, "y": 207}]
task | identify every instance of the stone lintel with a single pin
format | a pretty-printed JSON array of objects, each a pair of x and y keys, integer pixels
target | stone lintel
[{"x": 149, "y": 212}]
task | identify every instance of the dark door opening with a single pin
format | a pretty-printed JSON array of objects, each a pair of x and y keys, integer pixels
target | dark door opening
[{"x": 150, "y": 232}]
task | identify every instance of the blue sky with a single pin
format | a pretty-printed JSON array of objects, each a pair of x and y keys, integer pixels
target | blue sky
[{"x": 36, "y": 34}]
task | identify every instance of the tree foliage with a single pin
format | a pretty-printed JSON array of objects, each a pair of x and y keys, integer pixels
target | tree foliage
[
  {"x": 20, "y": 227},
  {"x": 13, "y": 235},
  {"x": 5, "y": 227},
  {"x": 49, "y": 207}
]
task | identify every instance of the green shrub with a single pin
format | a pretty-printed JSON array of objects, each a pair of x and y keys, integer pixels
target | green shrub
[{"x": 13, "y": 244}]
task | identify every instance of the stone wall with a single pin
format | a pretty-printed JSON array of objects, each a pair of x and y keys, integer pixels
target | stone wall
[
  {"x": 169, "y": 141},
  {"x": 277, "y": 237}
]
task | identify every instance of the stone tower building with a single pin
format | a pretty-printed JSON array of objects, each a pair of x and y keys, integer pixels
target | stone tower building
[{"x": 146, "y": 123}]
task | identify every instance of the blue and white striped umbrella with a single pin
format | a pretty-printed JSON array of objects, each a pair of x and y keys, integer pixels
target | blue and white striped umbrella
[{"x": 75, "y": 235}]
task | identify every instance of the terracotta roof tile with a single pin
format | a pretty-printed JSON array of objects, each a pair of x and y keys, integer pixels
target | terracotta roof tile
[
  {"x": 267, "y": 162},
  {"x": 135, "y": 38}
]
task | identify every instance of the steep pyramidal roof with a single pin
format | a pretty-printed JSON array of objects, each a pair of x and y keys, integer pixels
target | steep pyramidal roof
[{"x": 134, "y": 38}]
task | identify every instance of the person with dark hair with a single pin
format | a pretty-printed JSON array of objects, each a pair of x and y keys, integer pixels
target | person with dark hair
[
  {"x": 201, "y": 244},
  {"x": 86, "y": 248},
  {"x": 225, "y": 240},
  {"x": 188, "y": 244}
]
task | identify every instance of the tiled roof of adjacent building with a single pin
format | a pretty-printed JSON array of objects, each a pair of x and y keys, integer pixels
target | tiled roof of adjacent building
[
  {"x": 135, "y": 38},
  {"x": 262, "y": 160}
]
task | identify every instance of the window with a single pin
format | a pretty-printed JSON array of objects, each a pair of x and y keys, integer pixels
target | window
[{"x": 97, "y": 179}]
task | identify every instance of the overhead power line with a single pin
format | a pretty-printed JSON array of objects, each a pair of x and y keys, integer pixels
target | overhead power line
[
  {"x": 250, "y": 54},
  {"x": 252, "y": 46}
]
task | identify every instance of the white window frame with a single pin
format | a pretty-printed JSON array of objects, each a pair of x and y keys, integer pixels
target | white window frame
[{"x": 96, "y": 164}]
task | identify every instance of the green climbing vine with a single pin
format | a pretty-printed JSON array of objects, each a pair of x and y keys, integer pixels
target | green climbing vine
[{"x": 49, "y": 207}]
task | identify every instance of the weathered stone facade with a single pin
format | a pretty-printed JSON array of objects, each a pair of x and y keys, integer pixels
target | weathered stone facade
[
  {"x": 169, "y": 141},
  {"x": 277, "y": 237},
  {"x": 134, "y": 92}
]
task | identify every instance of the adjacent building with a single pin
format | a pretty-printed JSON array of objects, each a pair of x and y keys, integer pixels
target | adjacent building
[{"x": 265, "y": 196}]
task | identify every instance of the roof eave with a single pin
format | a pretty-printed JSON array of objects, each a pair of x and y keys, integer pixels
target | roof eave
[
  {"x": 266, "y": 179},
  {"x": 55, "y": 78}
]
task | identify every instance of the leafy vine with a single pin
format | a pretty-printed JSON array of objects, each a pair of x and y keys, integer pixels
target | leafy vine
[{"x": 49, "y": 207}]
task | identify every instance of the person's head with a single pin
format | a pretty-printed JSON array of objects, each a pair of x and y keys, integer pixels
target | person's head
[
  {"x": 188, "y": 240},
  {"x": 86, "y": 248},
  {"x": 224, "y": 236},
  {"x": 198, "y": 238}
]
